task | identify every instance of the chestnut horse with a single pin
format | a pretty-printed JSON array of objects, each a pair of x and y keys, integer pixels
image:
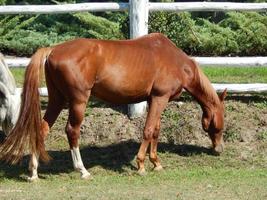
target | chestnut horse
[{"x": 150, "y": 68}]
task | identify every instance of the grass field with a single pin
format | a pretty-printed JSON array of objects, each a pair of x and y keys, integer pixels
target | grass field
[
  {"x": 190, "y": 171},
  {"x": 192, "y": 174},
  {"x": 236, "y": 74}
]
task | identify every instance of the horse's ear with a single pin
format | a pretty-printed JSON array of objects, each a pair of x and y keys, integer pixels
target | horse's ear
[{"x": 223, "y": 95}]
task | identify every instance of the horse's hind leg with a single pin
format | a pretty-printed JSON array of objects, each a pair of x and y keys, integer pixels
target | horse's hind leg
[
  {"x": 33, "y": 165},
  {"x": 76, "y": 115},
  {"x": 55, "y": 105}
]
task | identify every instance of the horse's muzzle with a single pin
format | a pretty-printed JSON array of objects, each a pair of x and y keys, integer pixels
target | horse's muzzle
[{"x": 218, "y": 149}]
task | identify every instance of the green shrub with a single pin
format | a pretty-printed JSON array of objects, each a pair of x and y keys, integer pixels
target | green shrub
[
  {"x": 24, "y": 34},
  {"x": 251, "y": 31},
  {"x": 202, "y": 34},
  {"x": 179, "y": 27},
  {"x": 215, "y": 40},
  {"x": 237, "y": 34}
]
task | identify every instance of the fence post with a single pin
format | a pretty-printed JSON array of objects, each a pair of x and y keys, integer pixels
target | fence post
[{"x": 138, "y": 27}]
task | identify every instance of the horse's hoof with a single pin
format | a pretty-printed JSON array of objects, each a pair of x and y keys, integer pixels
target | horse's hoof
[
  {"x": 86, "y": 176},
  {"x": 32, "y": 179},
  {"x": 158, "y": 168},
  {"x": 141, "y": 172}
]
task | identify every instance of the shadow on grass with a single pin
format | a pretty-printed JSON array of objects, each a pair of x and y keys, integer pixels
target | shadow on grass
[{"x": 113, "y": 157}]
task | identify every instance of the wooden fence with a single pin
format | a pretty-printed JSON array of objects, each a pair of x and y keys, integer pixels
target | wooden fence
[{"x": 139, "y": 12}]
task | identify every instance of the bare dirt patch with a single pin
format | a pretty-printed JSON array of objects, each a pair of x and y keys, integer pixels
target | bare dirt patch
[{"x": 245, "y": 122}]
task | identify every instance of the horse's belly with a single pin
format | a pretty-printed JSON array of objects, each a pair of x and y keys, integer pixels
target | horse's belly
[
  {"x": 120, "y": 94},
  {"x": 124, "y": 83}
]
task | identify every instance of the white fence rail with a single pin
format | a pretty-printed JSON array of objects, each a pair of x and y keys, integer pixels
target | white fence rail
[
  {"x": 208, "y": 6},
  {"x": 252, "y": 88},
  {"x": 139, "y": 11},
  {"x": 232, "y": 61},
  {"x": 205, "y": 61},
  {"x": 63, "y": 8},
  {"x": 100, "y": 7}
]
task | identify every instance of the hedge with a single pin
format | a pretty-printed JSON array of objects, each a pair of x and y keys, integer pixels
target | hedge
[{"x": 197, "y": 33}]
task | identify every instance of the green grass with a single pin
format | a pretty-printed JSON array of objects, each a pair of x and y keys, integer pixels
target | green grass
[
  {"x": 18, "y": 74},
  {"x": 189, "y": 174},
  {"x": 196, "y": 184},
  {"x": 215, "y": 74},
  {"x": 236, "y": 74}
]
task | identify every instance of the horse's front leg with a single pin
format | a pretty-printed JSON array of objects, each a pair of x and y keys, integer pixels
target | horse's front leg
[
  {"x": 156, "y": 107},
  {"x": 153, "y": 157},
  {"x": 76, "y": 115}
]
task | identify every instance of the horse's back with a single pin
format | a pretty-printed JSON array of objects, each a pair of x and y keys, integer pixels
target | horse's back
[{"x": 117, "y": 71}]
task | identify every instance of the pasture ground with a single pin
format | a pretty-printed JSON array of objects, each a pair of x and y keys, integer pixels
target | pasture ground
[{"x": 110, "y": 141}]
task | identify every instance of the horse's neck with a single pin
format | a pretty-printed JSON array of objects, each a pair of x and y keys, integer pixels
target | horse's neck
[
  {"x": 202, "y": 90},
  {"x": 206, "y": 101}
]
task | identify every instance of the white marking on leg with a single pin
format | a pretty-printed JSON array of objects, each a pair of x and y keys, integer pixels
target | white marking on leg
[
  {"x": 33, "y": 165},
  {"x": 78, "y": 163}
]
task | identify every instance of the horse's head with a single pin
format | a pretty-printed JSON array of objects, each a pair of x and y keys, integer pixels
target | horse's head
[{"x": 213, "y": 123}]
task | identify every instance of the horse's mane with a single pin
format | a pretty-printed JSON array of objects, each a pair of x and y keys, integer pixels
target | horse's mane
[{"x": 205, "y": 84}]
